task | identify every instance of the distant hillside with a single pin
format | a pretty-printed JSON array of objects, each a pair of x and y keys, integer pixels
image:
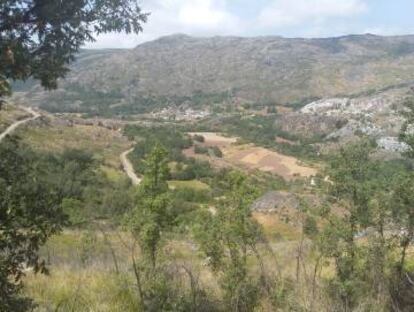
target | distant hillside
[{"x": 262, "y": 69}]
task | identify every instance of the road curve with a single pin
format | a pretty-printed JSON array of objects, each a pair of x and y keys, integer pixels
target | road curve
[
  {"x": 15, "y": 125},
  {"x": 126, "y": 164},
  {"x": 128, "y": 168}
]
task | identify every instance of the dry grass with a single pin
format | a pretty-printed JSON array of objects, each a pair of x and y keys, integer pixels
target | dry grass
[
  {"x": 263, "y": 159},
  {"x": 9, "y": 114},
  {"x": 83, "y": 272},
  {"x": 105, "y": 144},
  {"x": 85, "y": 289},
  {"x": 214, "y": 139},
  {"x": 275, "y": 228},
  {"x": 192, "y": 184}
]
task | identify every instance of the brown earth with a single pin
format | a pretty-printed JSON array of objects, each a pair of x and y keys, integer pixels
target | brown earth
[
  {"x": 251, "y": 157},
  {"x": 285, "y": 141}
]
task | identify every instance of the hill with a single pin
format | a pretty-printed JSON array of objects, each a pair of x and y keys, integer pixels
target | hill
[{"x": 182, "y": 69}]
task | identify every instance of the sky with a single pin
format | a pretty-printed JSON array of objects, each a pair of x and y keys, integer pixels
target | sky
[{"x": 287, "y": 18}]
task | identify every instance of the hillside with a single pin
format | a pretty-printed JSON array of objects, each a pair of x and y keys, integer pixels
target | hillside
[
  {"x": 261, "y": 172},
  {"x": 180, "y": 68}
]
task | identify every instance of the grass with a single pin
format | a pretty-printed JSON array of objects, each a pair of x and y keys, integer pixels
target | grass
[
  {"x": 104, "y": 144},
  {"x": 83, "y": 276},
  {"x": 82, "y": 290},
  {"x": 276, "y": 229},
  {"x": 9, "y": 114},
  {"x": 193, "y": 184},
  {"x": 113, "y": 174}
]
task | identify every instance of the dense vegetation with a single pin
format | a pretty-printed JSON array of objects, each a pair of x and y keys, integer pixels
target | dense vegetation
[
  {"x": 76, "y": 98},
  {"x": 174, "y": 140},
  {"x": 366, "y": 243},
  {"x": 263, "y": 130},
  {"x": 41, "y": 193}
]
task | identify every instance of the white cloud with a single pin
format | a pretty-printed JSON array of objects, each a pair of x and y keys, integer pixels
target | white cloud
[
  {"x": 208, "y": 15},
  {"x": 286, "y": 13},
  {"x": 193, "y": 17},
  {"x": 219, "y": 17}
]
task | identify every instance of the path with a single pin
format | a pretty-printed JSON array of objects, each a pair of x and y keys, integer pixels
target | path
[
  {"x": 15, "y": 125},
  {"x": 128, "y": 168},
  {"x": 126, "y": 164}
]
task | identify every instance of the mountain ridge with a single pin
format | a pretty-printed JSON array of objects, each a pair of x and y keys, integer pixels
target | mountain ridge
[{"x": 256, "y": 69}]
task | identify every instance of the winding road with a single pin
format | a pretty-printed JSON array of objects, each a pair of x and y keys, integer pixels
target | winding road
[
  {"x": 126, "y": 164},
  {"x": 128, "y": 168},
  {"x": 15, "y": 125}
]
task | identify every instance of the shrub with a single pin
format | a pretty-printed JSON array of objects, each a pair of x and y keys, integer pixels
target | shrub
[
  {"x": 198, "y": 138},
  {"x": 200, "y": 149}
]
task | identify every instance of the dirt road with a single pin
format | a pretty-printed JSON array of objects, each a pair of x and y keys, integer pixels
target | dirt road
[
  {"x": 15, "y": 125},
  {"x": 128, "y": 168},
  {"x": 126, "y": 164}
]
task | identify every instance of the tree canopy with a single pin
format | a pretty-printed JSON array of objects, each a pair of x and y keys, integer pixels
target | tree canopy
[
  {"x": 30, "y": 212},
  {"x": 39, "y": 38}
]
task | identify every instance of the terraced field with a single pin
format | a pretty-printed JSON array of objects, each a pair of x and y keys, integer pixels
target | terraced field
[{"x": 251, "y": 157}]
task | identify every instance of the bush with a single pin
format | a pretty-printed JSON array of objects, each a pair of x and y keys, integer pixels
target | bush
[
  {"x": 200, "y": 149},
  {"x": 198, "y": 138},
  {"x": 217, "y": 151}
]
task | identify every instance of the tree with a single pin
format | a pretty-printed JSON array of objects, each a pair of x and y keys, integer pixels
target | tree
[
  {"x": 149, "y": 222},
  {"x": 39, "y": 38},
  {"x": 404, "y": 196},
  {"x": 350, "y": 186},
  {"x": 376, "y": 200},
  {"x": 227, "y": 238},
  {"x": 403, "y": 216},
  {"x": 150, "y": 216},
  {"x": 30, "y": 212},
  {"x": 406, "y": 133}
]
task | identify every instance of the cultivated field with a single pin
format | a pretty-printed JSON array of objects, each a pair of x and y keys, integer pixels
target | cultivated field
[{"x": 251, "y": 157}]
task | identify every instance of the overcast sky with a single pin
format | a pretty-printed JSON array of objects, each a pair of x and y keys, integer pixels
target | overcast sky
[{"x": 288, "y": 18}]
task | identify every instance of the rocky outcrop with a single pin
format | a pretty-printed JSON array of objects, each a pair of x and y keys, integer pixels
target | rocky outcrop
[
  {"x": 392, "y": 144},
  {"x": 309, "y": 125},
  {"x": 276, "y": 201},
  {"x": 378, "y": 116}
]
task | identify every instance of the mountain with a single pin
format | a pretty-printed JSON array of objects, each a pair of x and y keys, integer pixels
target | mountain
[{"x": 257, "y": 70}]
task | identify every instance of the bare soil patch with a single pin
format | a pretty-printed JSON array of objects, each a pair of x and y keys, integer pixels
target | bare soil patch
[
  {"x": 251, "y": 157},
  {"x": 285, "y": 141}
]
